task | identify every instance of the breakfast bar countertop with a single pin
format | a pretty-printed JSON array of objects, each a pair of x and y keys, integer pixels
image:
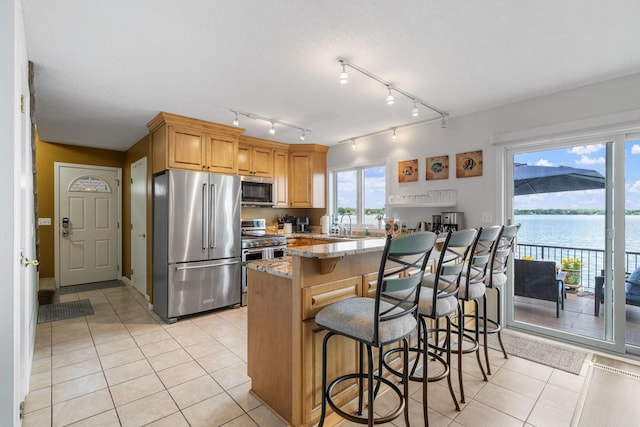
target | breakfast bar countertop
[{"x": 338, "y": 249}]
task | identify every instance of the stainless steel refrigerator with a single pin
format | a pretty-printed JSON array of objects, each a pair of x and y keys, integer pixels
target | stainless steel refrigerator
[{"x": 196, "y": 242}]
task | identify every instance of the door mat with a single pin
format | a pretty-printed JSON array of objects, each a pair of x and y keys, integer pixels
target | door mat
[
  {"x": 539, "y": 351},
  {"x": 64, "y": 310},
  {"x": 89, "y": 287}
]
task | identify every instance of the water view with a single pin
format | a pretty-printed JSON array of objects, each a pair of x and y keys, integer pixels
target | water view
[{"x": 579, "y": 231}]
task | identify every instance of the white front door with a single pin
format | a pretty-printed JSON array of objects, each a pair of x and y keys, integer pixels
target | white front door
[
  {"x": 87, "y": 223},
  {"x": 139, "y": 225}
]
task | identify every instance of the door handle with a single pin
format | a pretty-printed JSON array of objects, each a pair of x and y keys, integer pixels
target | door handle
[
  {"x": 27, "y": 262},
  {"x": 142, "y": 235}
]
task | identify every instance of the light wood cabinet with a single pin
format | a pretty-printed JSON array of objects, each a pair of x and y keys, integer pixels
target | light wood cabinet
[
  {"x": 281, "y": 175},
  {"x": 307, "y": 178},
  {"x": 179, "y": 142},
  {"x": 343, "y": 354},
  {"x": 255, "y": 157}
]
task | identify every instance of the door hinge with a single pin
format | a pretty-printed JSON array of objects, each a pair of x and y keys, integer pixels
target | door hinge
[
  {"x": 117, "y": 267},
  {"x": 132, "y": 271},
  {"x": 118, "y": 225},
  {"x": 132, "y": 226},
  {"x": 22, "y": 103},
  {"x": 22, "y": 409}
]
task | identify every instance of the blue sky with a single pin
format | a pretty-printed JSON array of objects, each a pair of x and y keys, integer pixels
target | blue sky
[{"x": 586, "y": 157}]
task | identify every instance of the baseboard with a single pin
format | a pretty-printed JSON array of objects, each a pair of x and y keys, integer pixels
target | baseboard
[{"x": 126, "y": 281}]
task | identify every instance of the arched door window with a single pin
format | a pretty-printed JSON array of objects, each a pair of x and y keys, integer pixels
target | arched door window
[{"x": 90, "y": 183}]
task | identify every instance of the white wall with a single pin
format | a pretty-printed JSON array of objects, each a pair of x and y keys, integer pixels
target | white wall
[{"x": 475, "y": 132}]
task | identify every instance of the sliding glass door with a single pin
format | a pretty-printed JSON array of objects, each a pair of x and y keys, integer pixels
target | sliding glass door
[{"x": 573, "y": 198}]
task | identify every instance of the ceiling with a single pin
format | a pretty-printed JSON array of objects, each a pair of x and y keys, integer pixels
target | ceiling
[{"x": 103, "y": 70}]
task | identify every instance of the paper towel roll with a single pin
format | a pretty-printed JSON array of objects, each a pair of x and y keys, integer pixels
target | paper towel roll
[
  {"x": 324, "y": 222},
  {"x": 287, "y": 228}
]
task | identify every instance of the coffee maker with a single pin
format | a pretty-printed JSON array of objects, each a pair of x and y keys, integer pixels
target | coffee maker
[
  {"x": 302, "y": 224},
  {"x": 436, "y": 223},
  {"x": 453, "y": 221}
]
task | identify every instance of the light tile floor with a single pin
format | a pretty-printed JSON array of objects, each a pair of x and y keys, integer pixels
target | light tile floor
[{"x": 124, "y": 366}]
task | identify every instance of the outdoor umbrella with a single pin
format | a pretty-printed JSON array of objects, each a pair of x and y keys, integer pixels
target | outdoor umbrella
[{"x": 530, "y": 179}]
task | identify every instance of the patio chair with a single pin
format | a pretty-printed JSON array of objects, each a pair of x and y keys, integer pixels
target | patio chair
[{"x": 631, "y": 290}]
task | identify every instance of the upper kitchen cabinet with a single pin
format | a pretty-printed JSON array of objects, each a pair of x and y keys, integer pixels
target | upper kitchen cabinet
[
  {"x": 307, "y": 179},
  {"x": 180, "y": 142},
  {"x": 255, "y": 157},
  {"x": 281, "y": 175}
]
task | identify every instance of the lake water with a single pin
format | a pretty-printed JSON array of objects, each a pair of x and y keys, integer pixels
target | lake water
[{"x": 576, "y": 231}]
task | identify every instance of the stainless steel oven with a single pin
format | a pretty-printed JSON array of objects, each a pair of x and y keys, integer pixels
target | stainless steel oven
[{"x": 257, "y": 245}]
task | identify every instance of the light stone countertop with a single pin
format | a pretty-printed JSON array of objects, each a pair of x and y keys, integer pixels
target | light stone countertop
[
  {"x": 277, "y": 266},
  {"x": 338, "y": 249}
]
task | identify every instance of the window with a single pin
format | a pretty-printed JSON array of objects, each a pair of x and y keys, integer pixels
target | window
[
  {"x": 90, "y": 183},
  {"x": 359, "y": 194}
]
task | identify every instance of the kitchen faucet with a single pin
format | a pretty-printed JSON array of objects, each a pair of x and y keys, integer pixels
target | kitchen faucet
[{"x": 341, "y": 218}]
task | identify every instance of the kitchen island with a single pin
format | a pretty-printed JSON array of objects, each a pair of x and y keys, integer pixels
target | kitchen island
[{"x": 284, "y": 342}]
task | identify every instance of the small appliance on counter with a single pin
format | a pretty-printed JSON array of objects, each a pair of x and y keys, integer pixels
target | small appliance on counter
[
  {"x": 302, "y": 224},
  {"x": 436, "y": 224},
  {"x": 452, "y": 221}
]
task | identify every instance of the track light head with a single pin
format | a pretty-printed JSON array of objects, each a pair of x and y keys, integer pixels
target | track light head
[
  {"x": 344, "y": 77},
  {"x": 272, "y": 130},
  {"x": 353, "y": 145},
  {"x": 443, "y": 122},
  {"x": 302, "y": 136},
  {"x": 236, "y": 121},
  {"x": 394, "y": 137},
  {"x": 390, "y": 98},
  {"x": 414, "y": 111}
]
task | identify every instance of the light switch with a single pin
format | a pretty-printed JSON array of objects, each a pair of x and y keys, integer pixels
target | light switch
[
  {"x": 44, "y": 221},
  {"x": 487, "y": 217}
]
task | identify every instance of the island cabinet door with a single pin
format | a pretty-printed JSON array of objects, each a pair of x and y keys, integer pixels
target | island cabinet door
[{"x": 343, "y": 359}]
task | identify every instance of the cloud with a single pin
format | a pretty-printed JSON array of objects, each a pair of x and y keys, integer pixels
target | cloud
[
  {"x": 543, "y": 162},
  {"x": 634, "y": 188},
  {"x": 586, "y": 149},
  {"x": 586, "y": 160},
  {"x": 635, "y": 149}
]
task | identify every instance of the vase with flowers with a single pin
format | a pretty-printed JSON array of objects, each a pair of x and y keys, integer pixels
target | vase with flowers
[{"x": 573, "y": 268}]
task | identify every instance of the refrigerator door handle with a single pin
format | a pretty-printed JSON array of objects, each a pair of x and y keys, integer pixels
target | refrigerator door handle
[
  {"x": 205, "y": 215},
  {"x": 195, "y": 267},
  {"x": 212, "y": 221}
]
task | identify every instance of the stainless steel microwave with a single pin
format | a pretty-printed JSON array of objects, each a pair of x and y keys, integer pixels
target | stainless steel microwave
[{"x": 258, "y": 191}]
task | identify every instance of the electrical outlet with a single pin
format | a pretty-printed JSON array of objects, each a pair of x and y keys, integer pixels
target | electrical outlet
[
  {"x": 44, "y": 221},
  {"x": 487, "y": 217}
]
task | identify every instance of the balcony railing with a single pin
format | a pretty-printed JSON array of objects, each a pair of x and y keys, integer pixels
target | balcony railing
[{"x": 593, "y": 259}]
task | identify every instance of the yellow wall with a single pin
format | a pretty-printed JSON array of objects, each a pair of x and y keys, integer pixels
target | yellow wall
[{"x": 47, "y": 154}]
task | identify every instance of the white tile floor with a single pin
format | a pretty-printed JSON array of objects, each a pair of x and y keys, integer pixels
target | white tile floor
[{"x": 123, "y": 366}]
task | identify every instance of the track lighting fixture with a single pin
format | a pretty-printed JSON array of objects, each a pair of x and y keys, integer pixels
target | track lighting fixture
[
  {"x": 344, "y": 77},
  {"x": 394, "y": 135},
  {"x": 390, "y": 99},
  {"x": 414, "y": 111},
  {"x": 272, "y": 129}
]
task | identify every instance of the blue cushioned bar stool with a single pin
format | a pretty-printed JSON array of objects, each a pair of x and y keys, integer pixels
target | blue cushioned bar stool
[
  {"x": 472, "y": 288},
  {"x": 439, "y": 300},
  {"x": 388, "y": 318},
  {"x": 496, "y": 279}
]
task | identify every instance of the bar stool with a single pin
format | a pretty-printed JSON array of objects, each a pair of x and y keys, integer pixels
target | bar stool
[
  {"x": 496, "y": 279},
  {"x": 438, "y": 300},
  {"x": 473, "y": 289},
  {"x": 374, "y": 322}
]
